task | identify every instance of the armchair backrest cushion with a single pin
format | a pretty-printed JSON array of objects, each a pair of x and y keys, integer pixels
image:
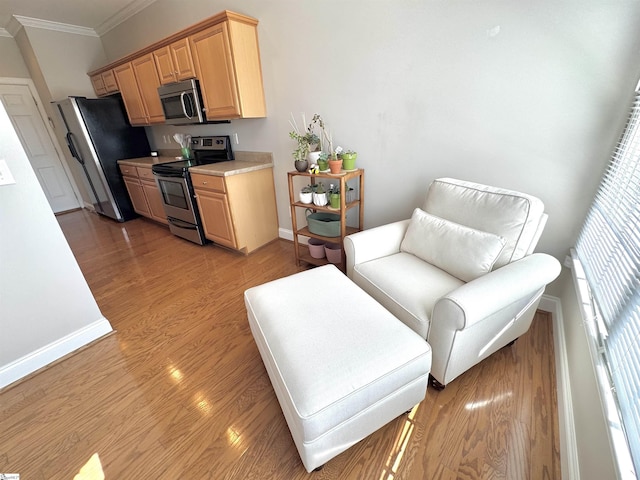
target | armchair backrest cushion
[
  {"x": 512, "y": 215},
  {"x": 464, "y": 252}
]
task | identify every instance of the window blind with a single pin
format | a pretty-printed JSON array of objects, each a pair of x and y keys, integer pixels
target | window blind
[{"x": 608, "y": 248}]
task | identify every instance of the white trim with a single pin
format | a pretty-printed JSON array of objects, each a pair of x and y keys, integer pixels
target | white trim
[
  {"x": 569, "y": 464},
  {"x": 127, "y": 12},
  {"x": 285, "y": 233},
  {"x": 55, "y": 26},
  {"x": 47, "y": 123},
  {"x": 49, "y": 353},
  {"x": 5, "y": 33}
]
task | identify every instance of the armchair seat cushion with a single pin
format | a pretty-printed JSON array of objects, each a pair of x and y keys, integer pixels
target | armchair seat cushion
[{"x": 405, "y": 285}]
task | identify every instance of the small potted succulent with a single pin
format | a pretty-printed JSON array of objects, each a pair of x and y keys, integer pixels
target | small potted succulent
[
  {"x": 335, "y": 161},
  {"x": 320, "y": 196},
  {"x": 306, "y": 194},
  {"x": 323, "y": 162},
  {"x": 334, "y": 197}
]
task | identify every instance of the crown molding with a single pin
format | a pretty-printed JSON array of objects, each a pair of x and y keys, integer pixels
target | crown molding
[
  {"x": 49, "y": 25},
  {"x": 127, "y": 12}
]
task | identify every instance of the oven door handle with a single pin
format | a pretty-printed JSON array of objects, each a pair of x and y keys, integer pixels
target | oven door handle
[
  {"x": 181, "y": 224},
  {"x": 183, "y": 95},
  {"x": 167, "y": 174}
]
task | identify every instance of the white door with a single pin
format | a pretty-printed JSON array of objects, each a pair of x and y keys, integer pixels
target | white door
[{"x": 33, "y": 134}]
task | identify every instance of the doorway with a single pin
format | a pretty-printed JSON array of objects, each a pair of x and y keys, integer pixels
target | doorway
[{"x": 19, "y": 100}]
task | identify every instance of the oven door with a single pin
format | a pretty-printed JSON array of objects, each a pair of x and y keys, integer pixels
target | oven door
[{"x": 176, "y": 199}]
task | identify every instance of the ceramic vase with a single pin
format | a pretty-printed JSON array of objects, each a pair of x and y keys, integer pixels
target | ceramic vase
[
  {"x": 301, "y": 165},
  {"x": 320, "y": 199},
  {"x": 306, "y": 197}
]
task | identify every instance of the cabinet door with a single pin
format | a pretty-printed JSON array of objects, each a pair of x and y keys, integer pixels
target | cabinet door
[
  {"x": 182, "y": 60},
  {"x": 136, "y": 194},
  {"x": 164, "y": 64},
  {"x": 212, "y": 59},
  {"x": 216, "y": 217},
  {"x": 154, "y": 200},
  {"x": 148, "y": 83},
  {"x": 130, "y": 94},
  {"x": 110, "y": 82},
  {"x": 98, "y": 85}
]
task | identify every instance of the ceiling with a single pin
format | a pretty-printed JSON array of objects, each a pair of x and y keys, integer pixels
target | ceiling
[{"x": 100, "y": 16}]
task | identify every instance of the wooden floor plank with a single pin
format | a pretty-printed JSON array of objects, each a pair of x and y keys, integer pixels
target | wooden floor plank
[{"x": 180, "y": 391}]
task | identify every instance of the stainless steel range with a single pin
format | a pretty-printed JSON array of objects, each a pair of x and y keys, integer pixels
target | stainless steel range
[{"x": 176, "y": 188}]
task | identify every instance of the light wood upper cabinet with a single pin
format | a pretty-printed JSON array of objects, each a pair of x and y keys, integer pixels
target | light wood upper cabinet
[
  {"x": 148, "y": 83},
  {"x": 222, "y": 52},
  {"x": 98, "y": 85},
  {"x": 227, "y": 61},
  {"x": 130, "y": 94},
  {"x": 174, "y": 62},
  {"x": 104, "y": 83},
  {"x": 139, "y": 84},
  {"x": 110, "y": 82}
]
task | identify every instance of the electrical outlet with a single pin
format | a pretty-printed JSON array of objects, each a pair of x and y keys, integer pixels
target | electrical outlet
[
  {"x": 568, "y": 262},
  {"x": 235, "y": 139}
]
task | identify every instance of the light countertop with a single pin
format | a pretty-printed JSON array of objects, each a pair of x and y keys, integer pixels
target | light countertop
[
  {"x": 244, "y": 162},
  {"x": 145, "y": 161}
]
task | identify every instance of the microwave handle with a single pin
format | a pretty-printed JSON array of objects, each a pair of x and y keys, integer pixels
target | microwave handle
[{"x": 184, "y": 105}]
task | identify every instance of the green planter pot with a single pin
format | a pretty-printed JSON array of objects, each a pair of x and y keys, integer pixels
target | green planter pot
[
  {"x": 349, "y": 161},
  {"x": 334, "y": 200}
]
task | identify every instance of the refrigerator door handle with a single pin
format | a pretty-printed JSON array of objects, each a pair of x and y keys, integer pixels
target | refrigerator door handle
[{"x": 72, "y": 148}]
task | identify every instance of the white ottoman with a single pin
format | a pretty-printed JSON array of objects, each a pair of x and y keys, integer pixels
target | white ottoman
[{"x": 341, "y": 365}]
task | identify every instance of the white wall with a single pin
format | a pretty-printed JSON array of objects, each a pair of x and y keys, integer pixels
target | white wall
[
  {"x": 12, "y": 64},
  {"x": 428, "y": 89},
  {"x": 46, "y": 307}
]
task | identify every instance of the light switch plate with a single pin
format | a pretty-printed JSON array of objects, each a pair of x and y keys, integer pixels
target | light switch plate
[{"x": 6, "y": 178}]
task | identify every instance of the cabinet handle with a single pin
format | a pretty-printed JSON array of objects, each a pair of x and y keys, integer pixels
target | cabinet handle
[{"x": 204, "y": 183}]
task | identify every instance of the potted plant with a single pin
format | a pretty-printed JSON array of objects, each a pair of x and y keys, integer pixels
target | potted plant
[
  {"x": 307, "y": 141},
  {"x": 323, "y": 161},
  {"x": 334, "y": 197},
  {"x": 320, "y": 196},
  {"x": 306, "y": 194},
  {"x": 349, "y": 160},
  {"x": 335, "y": 162}
]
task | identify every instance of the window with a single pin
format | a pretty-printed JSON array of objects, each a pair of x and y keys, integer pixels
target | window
[{"x": 608, "y": 249}]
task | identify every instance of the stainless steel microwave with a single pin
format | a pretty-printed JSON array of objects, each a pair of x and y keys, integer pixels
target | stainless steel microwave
[{"x": 182, "y": 103}]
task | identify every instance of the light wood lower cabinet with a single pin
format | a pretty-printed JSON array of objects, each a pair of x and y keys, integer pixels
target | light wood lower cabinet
[
  {"x": 238, "y": 211},
  {"x": 144, "y": 193},
  {"x": 137, "y": 196}
]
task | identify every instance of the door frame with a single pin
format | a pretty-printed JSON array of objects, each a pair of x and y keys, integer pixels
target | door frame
[{"x": 50, "y": 131}]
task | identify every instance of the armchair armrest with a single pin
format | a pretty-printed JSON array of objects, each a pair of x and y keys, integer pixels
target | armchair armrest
[
  {"x": 374, "y": 243},
  {"x": 486, "y": 295}
]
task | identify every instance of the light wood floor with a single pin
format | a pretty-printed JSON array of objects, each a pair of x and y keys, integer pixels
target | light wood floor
[{"x": 180, "y": 391}]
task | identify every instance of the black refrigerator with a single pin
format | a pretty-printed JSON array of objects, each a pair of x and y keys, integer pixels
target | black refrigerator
[{"x": 98, "y": 135}]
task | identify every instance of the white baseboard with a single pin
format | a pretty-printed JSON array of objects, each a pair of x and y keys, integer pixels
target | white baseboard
[
  {"x": 566, "y": 423},
  {"x": 49, "y": 353},
  {"x": 285, "y": 233}
]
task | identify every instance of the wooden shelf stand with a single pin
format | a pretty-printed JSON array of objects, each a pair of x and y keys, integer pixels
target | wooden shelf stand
[{"x": 301, "y": 250}]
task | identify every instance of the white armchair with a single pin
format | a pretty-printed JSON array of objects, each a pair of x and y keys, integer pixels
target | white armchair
[{"x": 460, "y": 272}]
